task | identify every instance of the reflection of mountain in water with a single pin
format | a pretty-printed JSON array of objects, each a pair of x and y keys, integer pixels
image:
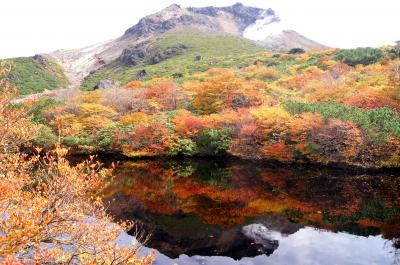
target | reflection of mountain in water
[
  {"x": 186, "y": 234},
  {"x": 238, "y": 209}
]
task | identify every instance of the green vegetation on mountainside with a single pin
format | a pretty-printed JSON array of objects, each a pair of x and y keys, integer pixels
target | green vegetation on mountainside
[
  {"x": 33, "y": 76},
  {"x": 216, "y": 51}
]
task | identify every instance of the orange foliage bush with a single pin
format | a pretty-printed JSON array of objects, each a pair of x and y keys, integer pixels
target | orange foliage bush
[
  {"x": 186, "y": 124},
  {"x": 50, "y": 211}
]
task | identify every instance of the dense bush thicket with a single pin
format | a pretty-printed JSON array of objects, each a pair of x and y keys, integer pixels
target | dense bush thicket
[
  {"x": 356, "y": 56},
  {"x": 297, "y": 51},
  {"x": 52, "y": 212},
  {"x": 291, "y": 107},
  {"x": 215, "y": 141},
  {"x": 383, "y": 120}
]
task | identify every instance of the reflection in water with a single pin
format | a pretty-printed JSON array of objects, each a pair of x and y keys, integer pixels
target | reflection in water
[{"x": 208, "y": 212}]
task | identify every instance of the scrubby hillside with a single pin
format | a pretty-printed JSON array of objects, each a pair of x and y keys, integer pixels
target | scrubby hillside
[
  {"x": 35, "y": 74},
  {"x": 177, "y": 54},
  {"x": 314, "y": 107}
]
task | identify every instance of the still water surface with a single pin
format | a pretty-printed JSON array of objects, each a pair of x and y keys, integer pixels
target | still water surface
[{"x": 236, "y": 212}]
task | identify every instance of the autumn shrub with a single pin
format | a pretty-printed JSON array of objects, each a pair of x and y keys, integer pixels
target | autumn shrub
[
  {"x": 262, "y": 73},
  {"x": 54, "y": 215},
  {"x": 318, "y": 59},
  {"x": 214, "y": 141},
  {"x": 146, "y": 140},
  {"x": 41, "y": 105},
  {"x": 52, "y": 212},
  {"x": 356, "y": 56}
]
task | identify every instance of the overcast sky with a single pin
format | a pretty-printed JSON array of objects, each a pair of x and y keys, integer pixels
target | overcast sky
[{"x": 28, "y": 27}]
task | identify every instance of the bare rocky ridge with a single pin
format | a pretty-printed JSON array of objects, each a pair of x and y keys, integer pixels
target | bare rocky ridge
[{"x": 130, "y": 47}]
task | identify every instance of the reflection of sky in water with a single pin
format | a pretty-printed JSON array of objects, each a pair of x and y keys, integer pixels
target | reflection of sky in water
[{"x": 308, "y": 246}]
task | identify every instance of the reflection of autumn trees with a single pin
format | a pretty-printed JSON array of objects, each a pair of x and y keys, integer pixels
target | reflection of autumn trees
[{"x": 228, "y": 194}]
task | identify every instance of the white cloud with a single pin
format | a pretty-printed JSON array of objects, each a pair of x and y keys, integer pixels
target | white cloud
[{"x": 29, "y": 27}]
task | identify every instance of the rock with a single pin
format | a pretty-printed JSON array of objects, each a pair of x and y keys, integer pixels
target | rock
[
  {"x": 135, "y": 55},
  {"x": 198, "y": 58},
  {"x": 244, "y": 15},
  {"x": 173, "y": 8},
  {"x": 141, "y": 75},
  {"x": 174, "y": 17},
  {"x": 240, "y": 101},
  {"x": 103, "y": 84},
  {"x": 159, "y": 56},
  {"x": 143, "y": 52},
  {"x": 43, "y": 60}
]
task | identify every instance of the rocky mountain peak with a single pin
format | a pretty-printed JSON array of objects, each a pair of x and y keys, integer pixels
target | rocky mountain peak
[
  {"x": 217, "y": 19},
  {"x": 243, "y": 15},
  {"x": 134, "y": 46},
  {"x": 173, "y": 7}
]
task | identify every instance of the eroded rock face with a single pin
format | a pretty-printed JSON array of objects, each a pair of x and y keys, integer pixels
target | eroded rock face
[
  {"x": 134, "y": 55},
  {"x": 143, "y": 52},
  {"x": 165, "y": 20},
  {"x": 245, "y": 15},
  {"x": 211, "y": 18}
]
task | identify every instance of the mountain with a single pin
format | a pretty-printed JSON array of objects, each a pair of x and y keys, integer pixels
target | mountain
[
  {"x": 287, "y": 40},
  {"x": 177, "y": 35},
  {"x": 231, "y": 20}
]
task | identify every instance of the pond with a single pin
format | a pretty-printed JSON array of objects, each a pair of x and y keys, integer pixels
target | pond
[{"x": 199, "y": 211}]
